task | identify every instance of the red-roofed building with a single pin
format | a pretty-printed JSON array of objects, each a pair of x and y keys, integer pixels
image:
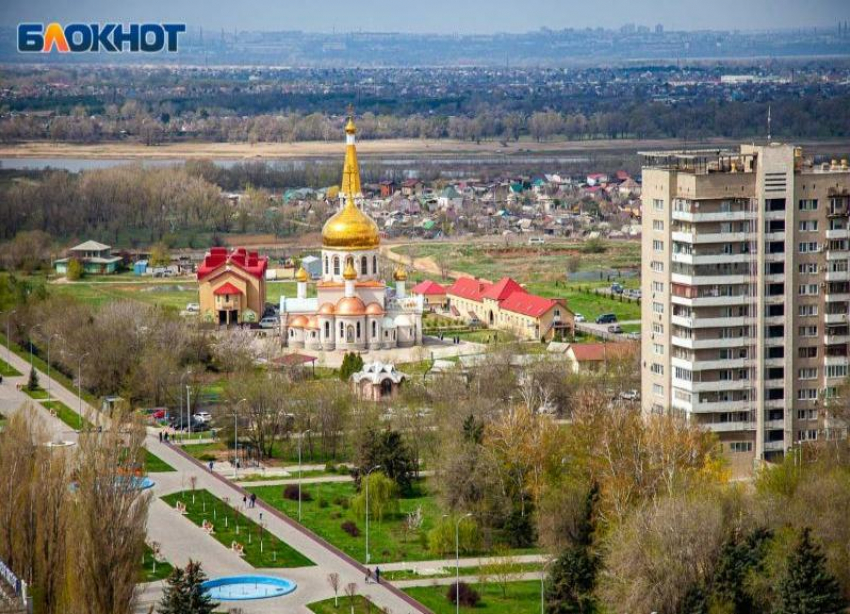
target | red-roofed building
[
  {"x": 232, "y": 286},
  {"x": 433, "y": 294},
  {"x": 506, "y": 305},
  {"x": 585, "y": 357}
]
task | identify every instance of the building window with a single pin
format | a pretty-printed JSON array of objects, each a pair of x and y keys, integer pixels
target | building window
[
  {"x": 740, "y": 446},
  {"x": 358, "y": 330},
  {"x": 327, "y": 266},
  {"x": 657, "y": 368},
  {"x": 808, "y": 225},
  {"x": 341, "y": 330},
  {"x": 808, "y": 204},
  {"x": 336, "y": 265},
  {"x": 374, "y": 265},
  {"x": 658, "y": 246},
  {"x": 374, "y": 329},
  {"x": 657, "y": 204},
  {"x": 658, "y": 390},
  {"x": 658, "y": 286},
  {"x": 658, "y": 349},
  {"x": 658, "y": 224},
  {"x": 807, "y": 373},
  {"x": 808, "y": 268},
  {"x": 364, "y": 266},
  {"x": 657, "y": 307},
  {"x": 807, "y": 394},
  {"x": 657, "y": 266},
  {"x": 807, "y": 310}
]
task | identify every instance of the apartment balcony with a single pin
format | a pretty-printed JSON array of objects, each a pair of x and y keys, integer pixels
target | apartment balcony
[
  {"x": 838, "y": 276},
  {"x": 835, "y": 318},
  {"x": 831, "y": 361},
  {"x": 710, "y": 365},
  {"x": 774, "y": 257},
  {"x": 837, "y": 297},
  {"x": 837, "y": 254},
  {"x": 712, "y": 386},
  {"x": 718, "y": 406},
  {"x": 713, "y": 216},
  {"x": 711, "y": 258},
  {"x": 712, "y": 237},
  {"x": 711, "y": 343},
  {"x": 774, "y": 404},
  {"x": 729, "y": 427},
  {"x": 836, "y": 339},
  {"x": 712, "y": 301},
  {"x": 697, "y": 322},
  {"x": 838, "y": 233},
  {"x": 774, "y": 446},
  {"x": 774, "y": 424},
  {"x": 774, "y": 236},
  {"x": 709, "y": 280}
]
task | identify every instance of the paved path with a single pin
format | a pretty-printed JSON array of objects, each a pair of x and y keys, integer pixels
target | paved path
[
  {"x": 181, "y": 540},
  {"x": 519, "y": 577},
  {"x": 436, "y": 565}
]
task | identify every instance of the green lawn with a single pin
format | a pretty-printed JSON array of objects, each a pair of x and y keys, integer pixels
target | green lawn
[
  {"x": 151, "y": 570},
  {"x": 231, "y": 525},
  {"x": 522, "y": 598},
  {"x": 39, "y": 393},
  {"x": 591, "y": 305},
  {"x": 447, "y": 572},
  {"x": 361, "y": 605},
  {"x": 67, "y": 415},
  {"x": 154, "y": 464},
  {"x": 387, "y": 539},
  {"x": 7, "y": 370}
]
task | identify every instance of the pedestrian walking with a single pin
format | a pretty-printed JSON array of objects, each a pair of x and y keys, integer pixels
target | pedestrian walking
[
  {"x": 211, "y": 466},
  {"x": 166, "y": 436},
  {"x": 244, "y": 501},
  {"x": 253, "y": 499},
  {"x": 377, "y": 575},
  {"x": 160, "y": 437}
]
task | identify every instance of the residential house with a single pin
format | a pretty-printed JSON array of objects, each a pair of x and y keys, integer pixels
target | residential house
[{"x": 96, "y": 258}]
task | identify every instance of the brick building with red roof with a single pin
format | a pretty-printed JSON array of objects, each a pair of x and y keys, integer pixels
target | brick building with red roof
[
  {"x": 432, "y": 293},
  {"x": 232, "y": 286},
  {"x": 506, "y": 305}
]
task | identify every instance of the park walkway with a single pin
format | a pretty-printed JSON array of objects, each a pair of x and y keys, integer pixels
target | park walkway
[{"x": 181, "y": 540}]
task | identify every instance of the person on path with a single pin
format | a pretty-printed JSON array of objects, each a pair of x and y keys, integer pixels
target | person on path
[
  {"x": 377, "y": 575},
  {"x": 253, "y": 499},
  {"x": 166, "y": 436},
  {"x": 368, "y": 577},
  {"x": 244, "y": 501},
  {"x": 160, "y": 437},
  {"x": 211, "y": 466}
]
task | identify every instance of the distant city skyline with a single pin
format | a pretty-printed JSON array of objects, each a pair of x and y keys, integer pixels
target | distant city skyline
[{"x": 441, "y": 16}]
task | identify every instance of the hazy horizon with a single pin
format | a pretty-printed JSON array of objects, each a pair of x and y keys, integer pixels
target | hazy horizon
[{"x": 441, "y": 16}]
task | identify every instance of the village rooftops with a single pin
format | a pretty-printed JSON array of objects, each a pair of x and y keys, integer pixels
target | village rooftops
[{"x": 240, "y": 258}]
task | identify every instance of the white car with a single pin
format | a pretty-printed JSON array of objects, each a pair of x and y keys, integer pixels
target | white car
[
  {"x": 203, "y": 416},
  {"x": 580, "y": 318},
  {"x": 629, "y": 395},
  {"x": 269, "y": 322},
  {"x": 193, "y": 308}
]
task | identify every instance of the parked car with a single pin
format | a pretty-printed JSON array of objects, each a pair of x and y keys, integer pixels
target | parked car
[
  {"x": 580, "y": 318},
  {"x": 269, "y": 322},
  {"x": 180, "y": 423},
  {"x": 606, "y": 318},
  {"x": 617, "y": 288},
  {"x": 615, "y": 328},
  {"x": 202, "y": 416},
  {"x": 193, "y": 308},
  {"x": 629, "y": 395}
]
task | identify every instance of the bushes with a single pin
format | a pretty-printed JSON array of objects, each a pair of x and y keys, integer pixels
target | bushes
[
  {"x": 467, "y": 596},
  {"x": 441, "y": 539},
  {"x": 291, "y": 492},
  {"x": 349, "y": 527}
]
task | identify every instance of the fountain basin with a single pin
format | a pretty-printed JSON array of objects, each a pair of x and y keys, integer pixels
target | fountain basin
[{"x": 240, "y": 588}]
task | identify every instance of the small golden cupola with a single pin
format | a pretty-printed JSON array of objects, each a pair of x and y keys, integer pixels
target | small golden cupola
[
  {"x": 400, "y": 273},
  {"x": 350, "y": 228},
  {"x": 349, "y": 273},
  {"x": 301, "y": 275}
]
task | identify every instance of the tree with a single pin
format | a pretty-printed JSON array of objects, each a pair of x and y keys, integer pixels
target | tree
[
  {"x": 351, "y": 593},
  {"x": 738, "y": 559},
  {"x": 807, "y": 587},
  {"x": 333, "y": 582},
  {"x": 32, "y": 382},
  {"x": 501, "y": 568},
  {"x": 441, "y": 539},
  {"x": 382, "y": 496},
  {"x": 389, "y": 450},
  {"x": 74, "y": 270},
  {"x": 572, "y": 580},
  {"x": 184, "y": 593},
  {"x": 160, "y": 256},
  {"x": 352, "y": 362}
]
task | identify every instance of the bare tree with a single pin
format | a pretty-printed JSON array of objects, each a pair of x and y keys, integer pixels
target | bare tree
[
  {"x": 333, "y": 581},
  {"x": 351, "y": 592}
]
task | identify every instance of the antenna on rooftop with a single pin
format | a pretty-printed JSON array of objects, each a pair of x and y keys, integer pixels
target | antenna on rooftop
[{"x": 768, "y": 124}]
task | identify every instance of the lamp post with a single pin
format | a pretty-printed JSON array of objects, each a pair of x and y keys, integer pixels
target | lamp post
[
  {"x": 49, "y": 339},
  {"x": 300, "y": 440},
  {"x": 368, "y": 473},
  {"x": 80, "y": 388},
  {"x": 189, "y": 409},
  {"x": 29, "y": 338},
  {"x": 457, "y": 560},
  {"x": 236, "y": 438},
  {"x": 180, "y": 393}
]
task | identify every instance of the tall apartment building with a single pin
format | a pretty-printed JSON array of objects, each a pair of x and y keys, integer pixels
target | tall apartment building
[{"x": 746, "y": 294}]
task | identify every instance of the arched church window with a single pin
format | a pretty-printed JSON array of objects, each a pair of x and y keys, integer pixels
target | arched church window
[
  {"x": 327, "y": 330},
  {"x": 327, "y": 266},
  {"x": 341, "y": 330},
  {"x": 336, "y": 265},
  {"x": 364, "y": 266},
  {"x": 358, "y": 330},
  {"x": 374, "y": 265},
  {"x": 374, "y": 328}
]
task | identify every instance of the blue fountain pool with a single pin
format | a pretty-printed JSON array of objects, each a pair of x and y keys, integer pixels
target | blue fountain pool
[{"x": 237, "y": 588}]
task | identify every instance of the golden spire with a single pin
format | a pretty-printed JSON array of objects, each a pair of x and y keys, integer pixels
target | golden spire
[
  {"x": 349, "y": 272},
  {"x": 350, "y": 169},
  {"x": 400, "y": 273},
  {"x": 301, "y": 274}
]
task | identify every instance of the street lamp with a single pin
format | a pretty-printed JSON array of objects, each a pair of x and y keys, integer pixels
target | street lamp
[
  {"x": 368, "y": 473},
  {"x": 457, "y": 560},
  {"x": 180, "y": 392},
  {"x": 236, "y": 438},
  {"x": 49, "y": 339},
  {"x": 29, "y": 338},
  {"x": 80, "y": 388},
  {"x": 8, "y": 338},
  {"x": 300, "y": 440}
]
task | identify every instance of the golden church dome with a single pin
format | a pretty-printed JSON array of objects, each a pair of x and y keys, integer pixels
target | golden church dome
[
  {"x": 301, "y": 274},
  {"x": 327, "y": 309},
  {"x": 349, "y": 272},
  {"x": 351, "y": 306},
  {"x": 374, "y": 309},
  {"x": 400, "y": 273},
  {"x": 350, "y": 229},
  {"x": 298, "y": 322}
]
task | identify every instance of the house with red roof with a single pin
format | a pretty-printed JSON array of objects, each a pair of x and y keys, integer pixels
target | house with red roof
[
  {"x": 232, "y": 286},
  {"x": 584, "y": 357},
  {"x": 506, "y": 305},
  {"x": 432, "y": 293}
]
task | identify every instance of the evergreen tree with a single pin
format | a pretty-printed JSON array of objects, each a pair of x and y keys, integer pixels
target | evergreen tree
[
  {"x": 389, "y": 450},
  {"x": 473, "y": 430},
  {"x": 184, "y": 593},
  {"x": 572, "y": 579},
  {"x": 807, "y": 587},
  {"x": 738, "y": 559},
  {"x": 32, "y": 383},
  {"x": 351, "y": 364}
]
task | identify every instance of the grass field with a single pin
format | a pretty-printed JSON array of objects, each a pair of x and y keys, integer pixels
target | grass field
[
  {"x": 38, "y": 394},
  {"x": 7, "y": 370},
  {"x": 67, "y": 415},
  {"x": 154, "y": 464},
  {"x": 521, "y": 598},
  {"x": 593, "y": 305},
  {"x": 447, "y": 572},
  {"x": 360, "y": 605},
  {"x": 153, "y": 570},
  {"x": 262, "y": 549}
]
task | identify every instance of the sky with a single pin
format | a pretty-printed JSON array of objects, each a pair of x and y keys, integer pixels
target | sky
[{"x": 437, "y": 16}]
